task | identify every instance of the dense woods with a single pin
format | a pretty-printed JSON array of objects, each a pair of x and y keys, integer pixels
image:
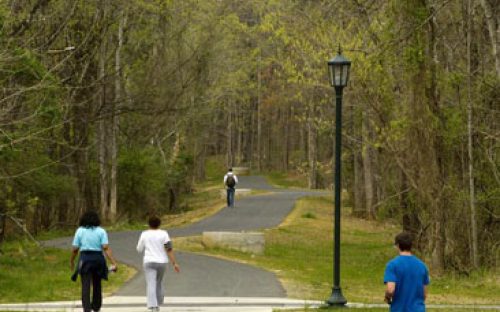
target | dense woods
[{"x": 117, "y": 105}]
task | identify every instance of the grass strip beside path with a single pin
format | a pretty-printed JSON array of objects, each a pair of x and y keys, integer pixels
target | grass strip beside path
[
  {"x": 286, "y": 180},
  {"x": 300, "y": 252},
  {"x": 32, "y": 274}
]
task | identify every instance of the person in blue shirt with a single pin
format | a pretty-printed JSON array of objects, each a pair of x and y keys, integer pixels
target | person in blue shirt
[
  {"x": 91, "y": 240},
  {"x": 406, "y": 278}
]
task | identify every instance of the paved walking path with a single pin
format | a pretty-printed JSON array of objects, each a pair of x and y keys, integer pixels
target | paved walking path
[
  {"x": 206, "y": 283},
  {"x": 204, "y": 276}
]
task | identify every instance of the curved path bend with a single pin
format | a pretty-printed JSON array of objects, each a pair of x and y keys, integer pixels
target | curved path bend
[{"x": 204, "y": 276}]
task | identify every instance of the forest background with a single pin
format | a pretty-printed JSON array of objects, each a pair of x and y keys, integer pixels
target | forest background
[{"x": 116, "y": 106}]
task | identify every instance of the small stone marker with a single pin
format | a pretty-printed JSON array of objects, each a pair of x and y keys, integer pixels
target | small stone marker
[
  {"x": 237, "y": 193},
  {"x": 251, "y": 242}
]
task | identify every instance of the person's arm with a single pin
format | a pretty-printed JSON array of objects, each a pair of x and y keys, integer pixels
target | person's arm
[
  {"x": 106, "y": 249},
  {"x": 235, "y": 179},
  {"x": 171, "y": 256},
  {"x": 389, "y": 292},
  {"x": 109, "y": 254},
  {"x": 225, "y": 179},
  {"x": 74, "y": 253},
  {"x": 390, "y": 280},
  {"x": 140, "y": 244},
  {"x": 426, "y": 282},
  {"x": 76, "y": 247}
]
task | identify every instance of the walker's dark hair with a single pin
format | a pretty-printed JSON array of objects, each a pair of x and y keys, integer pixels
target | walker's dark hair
[
  {"x": 90, "y": 219},
  {"x": 404, "y": 241},
  {"x": 230, "y": 169},
  {"x": 154, "y": 222}
]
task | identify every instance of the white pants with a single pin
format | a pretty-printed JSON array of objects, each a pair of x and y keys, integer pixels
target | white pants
[{"x": 155, "y": 292}]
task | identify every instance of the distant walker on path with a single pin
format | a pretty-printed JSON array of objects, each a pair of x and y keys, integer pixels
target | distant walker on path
[
  {"x": 406, "y": 278},
  {"x": 157, "y": 248},
  {"x": 230, "y": 181}
]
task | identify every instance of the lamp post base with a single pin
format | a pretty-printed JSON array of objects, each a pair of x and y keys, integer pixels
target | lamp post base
[{"x": 336, "y": 299}]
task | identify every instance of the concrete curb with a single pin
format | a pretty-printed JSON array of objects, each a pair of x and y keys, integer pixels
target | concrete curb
[
  {"x": 209, "y": 304},
  {"x": 133, "y": 304}
]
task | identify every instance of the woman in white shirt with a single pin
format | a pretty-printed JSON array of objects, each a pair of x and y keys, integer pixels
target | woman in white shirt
[{"x": 157, "y": 248}]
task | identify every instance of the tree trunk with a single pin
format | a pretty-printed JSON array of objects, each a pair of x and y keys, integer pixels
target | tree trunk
[
  {"x": 268, "y": 155},
  {"x": 410, "y": 220},
  {"x": 103, "y": 135},
  {"x": 116, "y": 120},
  {"x": 64, "y": 201},
  {"x": 3, "y": 218},
  {"x": 172, "y": 187},
  {"x": 286, "y": 157},
  {"x": 367, "y": 168},
  {"x": 251, "y": 136},
  {"x": 472, "y": 198},
  {"x": 492, "y": 14},
  {"x": 438, "y": 202},
  {"x": 259, "y": 115},
  {"x": 83, "y": 196},
  {"x": 200, "y": 161},
  {"x": 229, "y": 130},
  {"x": 359, "y": 209},
  {"x": 239, "y": 143},
  {"x": 312, "y": 142},
  {"x": 304, "y": 135}
]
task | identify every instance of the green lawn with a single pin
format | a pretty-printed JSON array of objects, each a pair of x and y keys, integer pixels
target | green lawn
[
  {"x": 31, "y": 274},
  {"x": 300, "y": 252}
]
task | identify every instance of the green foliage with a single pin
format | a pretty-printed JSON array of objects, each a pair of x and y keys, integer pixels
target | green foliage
[
  {"x": 215, "y": 169},
  {"x": 454, "y": 123},
  {"x": 147, "y": 182},
  {"x": 180, "y": 170},
  {"x": 143, "y": 182},
  {"x": 247, "y": 81}
]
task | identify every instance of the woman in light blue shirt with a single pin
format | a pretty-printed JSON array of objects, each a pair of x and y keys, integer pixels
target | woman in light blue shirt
[{"x": 91, "y": 240}]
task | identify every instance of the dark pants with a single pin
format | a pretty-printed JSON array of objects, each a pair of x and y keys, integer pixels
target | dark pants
[
  {"x": 87, "y": 279},
  {"x": 230, "y": 196}
]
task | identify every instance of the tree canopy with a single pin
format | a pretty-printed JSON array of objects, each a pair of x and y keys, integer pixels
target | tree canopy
[{"x": 116, "y": 105}]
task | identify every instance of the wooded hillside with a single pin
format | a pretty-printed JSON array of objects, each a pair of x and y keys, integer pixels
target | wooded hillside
[{"x": 116, "y": 106}]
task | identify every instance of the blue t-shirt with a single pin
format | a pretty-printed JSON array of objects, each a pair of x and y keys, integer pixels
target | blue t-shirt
[
  {"x": 410, "y": 275},
  {"x": 90, "y": 238}
]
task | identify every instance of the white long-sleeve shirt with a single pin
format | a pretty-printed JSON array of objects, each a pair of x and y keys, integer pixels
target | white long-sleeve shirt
[
  {"x": 152, "y": 243},
  {"x": 234, "y": 176}
]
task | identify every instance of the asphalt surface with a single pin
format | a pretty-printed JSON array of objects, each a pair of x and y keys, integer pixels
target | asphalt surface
[{"x": 203, "y": 276}]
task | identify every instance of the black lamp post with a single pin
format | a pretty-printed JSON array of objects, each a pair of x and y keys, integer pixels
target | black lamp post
[{"x": 339, "y": 75}]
